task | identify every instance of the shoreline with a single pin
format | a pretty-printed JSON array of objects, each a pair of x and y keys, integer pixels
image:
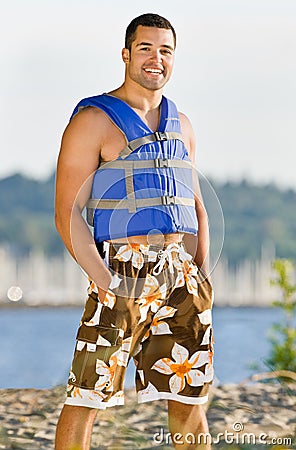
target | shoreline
[{"x": 28, "y": 417}]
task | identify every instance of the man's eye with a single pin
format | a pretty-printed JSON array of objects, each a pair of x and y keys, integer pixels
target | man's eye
[{"x": 145, "y": 48}]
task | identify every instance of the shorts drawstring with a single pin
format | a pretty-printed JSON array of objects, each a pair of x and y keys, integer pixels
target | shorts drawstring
[
  {"x": 166, "y": 255},
  {"x": 137, "y": 253}
]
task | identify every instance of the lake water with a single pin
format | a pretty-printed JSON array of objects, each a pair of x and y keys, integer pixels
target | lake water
[{"x": 37, "y": 344}]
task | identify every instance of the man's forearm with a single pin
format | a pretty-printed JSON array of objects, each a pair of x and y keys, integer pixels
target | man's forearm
[
  {"x": 198, "y": 246},
  {"x": 203, "y": 243},
  {"x": 80, "y": 243}
]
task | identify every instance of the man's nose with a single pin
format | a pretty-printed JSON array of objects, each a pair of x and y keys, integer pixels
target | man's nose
[{"x": 156, "y": 56}]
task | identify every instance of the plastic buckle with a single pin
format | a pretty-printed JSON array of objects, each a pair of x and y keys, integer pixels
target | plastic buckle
[
  {"x": 168, "y": 200},
  {"x": 160, "y": 136},
  {"x": 160, "y": 163}
]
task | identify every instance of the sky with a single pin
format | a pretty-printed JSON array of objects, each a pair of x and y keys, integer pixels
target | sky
[{"x": 234, "y": 77}]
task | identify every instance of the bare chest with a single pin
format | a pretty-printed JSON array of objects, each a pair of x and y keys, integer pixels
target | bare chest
[
  {"x": 115, "y": 140},
  {"x": 113, "y": 144}
]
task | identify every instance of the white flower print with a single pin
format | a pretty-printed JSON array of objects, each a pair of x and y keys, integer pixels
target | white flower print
[
  {"x": 136, "y": 253},
  {"x": 158, "y": 326},
  {"x": 151, "y": 297},
  {"x": 183, "y": 369},
  {"x": 205, "y": 317},
  {"x": 188, "y": 275}
]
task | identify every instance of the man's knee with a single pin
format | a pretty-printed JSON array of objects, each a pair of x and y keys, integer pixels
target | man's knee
[
  {"x": 184, "y": 408},
  {"x": 79, "y": 412}
]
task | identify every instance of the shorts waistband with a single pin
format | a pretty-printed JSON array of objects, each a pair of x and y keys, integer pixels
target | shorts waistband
[
  {"x": 160, "y": 253},
  {"x": 154, "y": 246}
]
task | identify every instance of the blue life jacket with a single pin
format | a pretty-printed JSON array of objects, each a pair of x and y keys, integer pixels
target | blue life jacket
[{"x": 148, "y": 188}]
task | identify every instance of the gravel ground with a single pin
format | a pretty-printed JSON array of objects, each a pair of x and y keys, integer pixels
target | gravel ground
[{"x": 28, "y": 419}]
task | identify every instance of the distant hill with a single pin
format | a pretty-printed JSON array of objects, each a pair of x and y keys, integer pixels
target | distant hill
[
  {"x": 253, "y": 216},
  {"x": 27, "y": 215}
]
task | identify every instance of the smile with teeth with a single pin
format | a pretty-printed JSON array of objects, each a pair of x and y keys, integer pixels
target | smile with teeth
[{"x": 156, "y": 71}]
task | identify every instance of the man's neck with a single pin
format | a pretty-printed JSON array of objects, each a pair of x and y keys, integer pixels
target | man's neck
[
  {"x": 143, "y": 101},
  {"x": 140, "y": 99}
]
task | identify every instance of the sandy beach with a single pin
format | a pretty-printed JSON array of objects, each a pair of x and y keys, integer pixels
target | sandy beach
[{"x": 243, "y": 414}]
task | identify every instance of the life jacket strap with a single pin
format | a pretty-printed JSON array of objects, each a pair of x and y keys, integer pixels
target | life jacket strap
[
  {"x": 157, "y": 136},
  {"x": 130, "y": 189},
  {"x": 158, "y": 163},
  {"x": 129, "y": 166},
  {"x": 166, "y": 200}
]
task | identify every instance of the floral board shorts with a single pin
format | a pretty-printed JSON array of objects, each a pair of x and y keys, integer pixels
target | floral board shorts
[{"x": 158, "y": 311}]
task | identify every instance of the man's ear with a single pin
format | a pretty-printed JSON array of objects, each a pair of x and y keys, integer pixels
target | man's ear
[{"x": 125, "y": 55}]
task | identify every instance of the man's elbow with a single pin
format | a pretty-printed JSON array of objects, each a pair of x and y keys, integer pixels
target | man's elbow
[
  {"x": 201, "y": 210},
  {"x": 61, "y": 217},
  {"x": 58, "y": 222}
]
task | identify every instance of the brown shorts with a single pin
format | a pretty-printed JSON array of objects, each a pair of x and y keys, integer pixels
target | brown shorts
[{"x": 158, "y": 311}]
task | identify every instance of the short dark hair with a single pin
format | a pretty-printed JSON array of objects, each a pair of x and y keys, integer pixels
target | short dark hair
[{"x": 146, "y": 20}]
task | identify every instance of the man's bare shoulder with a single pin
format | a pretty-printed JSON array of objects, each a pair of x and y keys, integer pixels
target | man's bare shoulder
[
  {"x": 185, "y": 123},
  {"x": 85, "y": 134},
  {"x": 91, "y": 117},
  {"x": 188, "y": 133},
  {"x": 90, "y": 127}
]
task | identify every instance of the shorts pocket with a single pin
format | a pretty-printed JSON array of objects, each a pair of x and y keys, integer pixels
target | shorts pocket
[
  {"x": 181, "y": 300},
  {"x": 105, "y": 297},
  {"x": 212, "y": 340},
  {"x": 202, "y": 276},
  {"x": 90, "y": 307},
  {"x": 100, "y": 335},
  {"x": 205, "y": 295},
  {"x": 94, "y": 343}
]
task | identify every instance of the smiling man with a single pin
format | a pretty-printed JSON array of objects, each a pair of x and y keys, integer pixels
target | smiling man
[{"x": 128, "y": 156}]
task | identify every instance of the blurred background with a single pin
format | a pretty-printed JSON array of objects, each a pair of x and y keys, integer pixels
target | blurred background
[{"x": 234, "y": 76}]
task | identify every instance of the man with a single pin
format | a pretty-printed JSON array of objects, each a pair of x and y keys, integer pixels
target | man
[{"x": 148, "y": 298}]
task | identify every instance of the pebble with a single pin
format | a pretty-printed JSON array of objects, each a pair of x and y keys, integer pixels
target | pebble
[{"x": 29, "y": 417}]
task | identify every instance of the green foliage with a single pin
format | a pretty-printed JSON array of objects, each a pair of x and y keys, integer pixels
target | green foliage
[{"x": 283, "y": 338}]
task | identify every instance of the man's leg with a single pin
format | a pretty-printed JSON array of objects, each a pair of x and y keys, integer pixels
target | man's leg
[
  {"x": 74, "y": 428},
  {"x": 186, "y": 422}
]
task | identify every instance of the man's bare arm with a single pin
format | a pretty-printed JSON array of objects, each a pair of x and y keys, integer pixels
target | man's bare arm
[
  {"x": 77, "y": 162},
  {"x": 198, "y": 246}
]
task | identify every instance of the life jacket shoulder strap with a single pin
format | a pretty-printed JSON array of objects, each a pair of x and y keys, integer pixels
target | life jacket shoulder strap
[
  {"x": 157, "y": 136},
  {"x": 129, "y": 122}
]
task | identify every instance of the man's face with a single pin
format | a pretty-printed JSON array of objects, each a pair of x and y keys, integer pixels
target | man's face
[{"x": 150, "y": 61}]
